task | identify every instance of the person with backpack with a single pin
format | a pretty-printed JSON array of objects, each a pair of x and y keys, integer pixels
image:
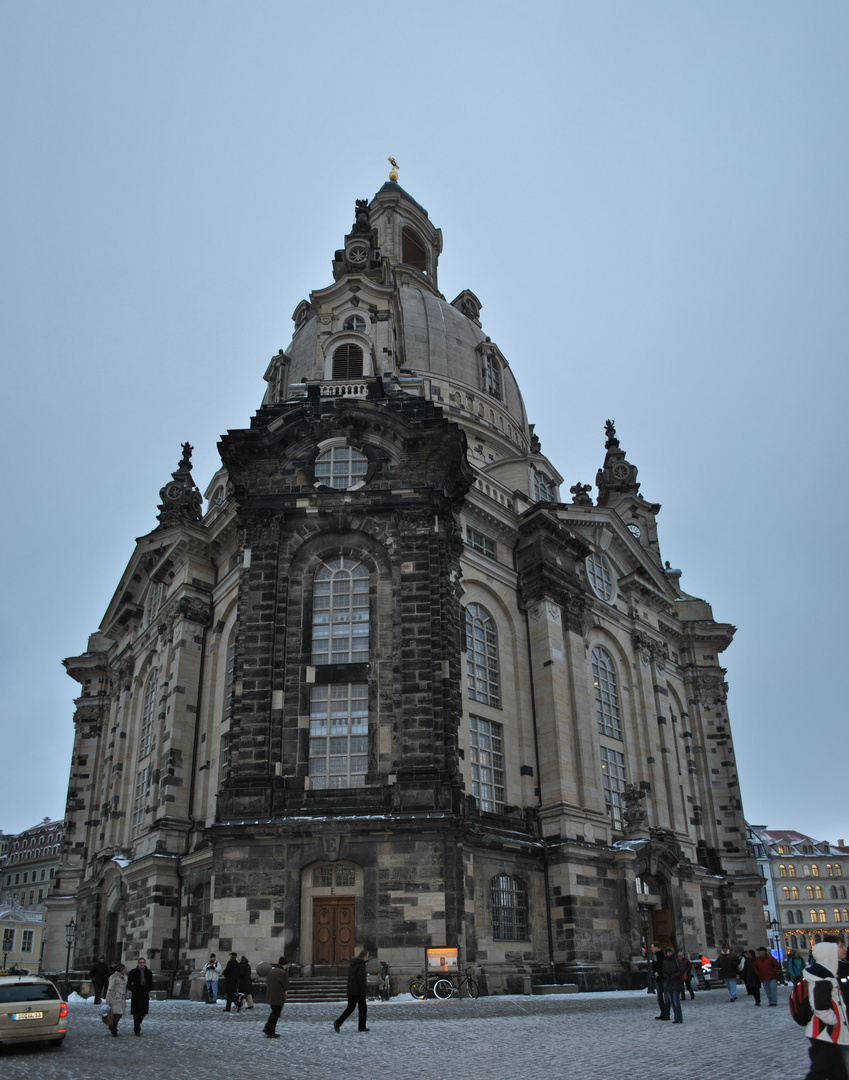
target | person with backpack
[
  {"x": 828, "y": 1028},
  {"x": 795, "y": 966}
]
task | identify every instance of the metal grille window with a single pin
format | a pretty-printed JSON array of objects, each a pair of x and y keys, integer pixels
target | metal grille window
[
  {"x": 487, "y": 753},
  {"x": 482, "y": 656},
  {"x": 340, "y": 618},
  {"x": 341, "y": 467},
  {"x": 509, "y": 902},
  {"x": 348, "y": 362},
  {"x": 543, "y": 488},
  {"x": 600, "y": 577},
  {"x": 148, "y": 715},
  {"x": 613, "y": 779},
  {"x": 142, "y": 783},
  {"x": 606, "y": 694},
  {"x": 477, "y": 540},
  {"x": 339, "y": 735}
]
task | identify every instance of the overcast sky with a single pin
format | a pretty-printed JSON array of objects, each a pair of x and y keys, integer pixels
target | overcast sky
[{"x": 650, "y": 200}]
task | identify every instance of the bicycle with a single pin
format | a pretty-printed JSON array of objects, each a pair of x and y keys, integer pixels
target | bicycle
[
  {"x": 420, "y": 987},
  {"x": 446, "y": 988}
]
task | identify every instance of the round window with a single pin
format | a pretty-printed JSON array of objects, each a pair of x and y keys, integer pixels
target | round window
[{"x": 601, "y": 578}]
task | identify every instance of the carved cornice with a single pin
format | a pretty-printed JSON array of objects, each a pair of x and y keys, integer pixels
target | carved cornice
[{"x": 650, "y": 650}]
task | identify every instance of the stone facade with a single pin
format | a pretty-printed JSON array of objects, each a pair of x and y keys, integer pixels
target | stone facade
[{"x": 390, "y": 692}]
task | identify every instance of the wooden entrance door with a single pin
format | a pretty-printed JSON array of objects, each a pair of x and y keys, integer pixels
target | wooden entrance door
[
  {"x": 332, "y": 934},
  {"x": 663, "y": 926}
]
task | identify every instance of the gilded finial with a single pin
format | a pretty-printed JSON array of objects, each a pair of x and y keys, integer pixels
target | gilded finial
[{"x": 393, "y": 172}]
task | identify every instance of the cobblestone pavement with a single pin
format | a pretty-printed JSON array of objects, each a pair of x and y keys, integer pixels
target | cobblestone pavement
[{"x": 607, "y": 1036}]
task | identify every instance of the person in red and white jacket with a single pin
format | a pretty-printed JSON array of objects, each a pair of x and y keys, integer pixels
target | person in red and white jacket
[{"x": 828, "y": 1031}]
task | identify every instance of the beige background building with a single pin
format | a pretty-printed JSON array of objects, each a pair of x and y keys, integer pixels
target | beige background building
[{"x": 395, "y": 687}]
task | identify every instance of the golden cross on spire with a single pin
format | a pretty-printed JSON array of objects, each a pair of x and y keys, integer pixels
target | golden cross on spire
[{"x": 393, "y": 172}]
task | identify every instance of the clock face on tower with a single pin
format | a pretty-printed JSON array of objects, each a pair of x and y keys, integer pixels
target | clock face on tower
[{"x": 635, "y": 530}]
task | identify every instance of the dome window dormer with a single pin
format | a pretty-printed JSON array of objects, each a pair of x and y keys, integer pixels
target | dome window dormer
[
  {"x": 355, "y": 322},
  {"x": 347, "y": 362}
]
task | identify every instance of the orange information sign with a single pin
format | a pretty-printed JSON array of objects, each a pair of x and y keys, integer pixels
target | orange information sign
[{"x": 444, "y": 960}]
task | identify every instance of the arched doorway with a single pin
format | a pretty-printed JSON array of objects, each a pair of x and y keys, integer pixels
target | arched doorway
[{"x": 331, "y": 904}]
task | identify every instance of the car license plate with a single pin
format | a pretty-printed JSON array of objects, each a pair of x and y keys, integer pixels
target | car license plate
[{"x": 28, "y": 1016}]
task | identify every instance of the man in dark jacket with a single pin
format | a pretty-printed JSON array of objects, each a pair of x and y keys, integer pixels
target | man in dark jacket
[
  {"x": 140, "y": 984},
  {"x": 357, "y": 988},
  {"x": 657, "y": 972},
  {"x": 276, "y": 989},
  {"x": 726, "y": 964},
  {"x": 231, "y": 981},
  {"x": 100, "y": 979}
]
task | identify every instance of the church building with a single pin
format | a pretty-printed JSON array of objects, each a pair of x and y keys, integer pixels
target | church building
[{"x": 394, "y": 689}]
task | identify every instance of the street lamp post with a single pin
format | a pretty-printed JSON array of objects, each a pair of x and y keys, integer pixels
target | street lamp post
[
  {"x": 775, "y": 926},
  {"x": 70, "y": 934}
]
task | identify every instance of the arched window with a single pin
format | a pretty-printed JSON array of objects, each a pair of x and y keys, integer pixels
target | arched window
[
  {"x": 354, "y": 322},
  {"x": 601, "y": 579},
  {"x": 829, "y": 869},
  {"x": 148, "y": 715},
  {"x": 837, "y": 914},
  {"x": 806, "y": 870},
  {"x": 482, "y": 656},
  {"x": 348, "y": 362},
  {"x": 492, "y": 375},
  {"x": 509, "y": 901},
  {"x": 791, "y": 870},
  {"x": 790, "y": 918},
  {"x": 832, "y": 892},
  {"x": 786, "y": 893},
  {"x": 613, "y": 782},
  {"x": 341, "y": 467},
  {"x": 340, "y": 616},
  {"x": 838, "y": 870},
  {"x": 842, "y": 892},
  {"x": 230, "y": 676},
  {"x": 818, "y": 892},
  {"x": 782, "y": 870},
  {"x": 822, "y": 916},
  {"x": 413, "y": 251},
  {"x": 813, "y": 915},
  {"x": 810, "y": 892},
  {"x": 798, "y": 917},
  {"x": 606, "y": 693},
  {"x": 846, "y": 914},
  {"x": 815, "y": 870}
]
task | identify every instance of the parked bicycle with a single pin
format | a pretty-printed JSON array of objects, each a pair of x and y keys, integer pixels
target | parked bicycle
[
  {"x": 464, "y": 986},
  {"x": 420, "y": 987}
]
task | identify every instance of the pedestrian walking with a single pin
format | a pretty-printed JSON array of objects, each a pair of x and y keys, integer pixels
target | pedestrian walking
[
  {"x": 795, "y": 966},
  {"x": 750, "y": 976},
  {"x": 657, "y": 972},
  {"x": 726, "y": 964},
  {"x": 767, "y": 968},
  {"x": 357, "y": 988},
  {"x": 211, "y": 974},
  {"x": 673, "y": 972},
  {"x": 827, "y": 1031},
  {"x": 231, "y": 981},
  {"x": 246, "y": 985},
  {"x": 116, "y": 997},
  {"x": 276, "y": 989},
  {"x": 140, "y": 984},
  {"x": 687, "y": 977},
  {"x": 99, "y": 975}
]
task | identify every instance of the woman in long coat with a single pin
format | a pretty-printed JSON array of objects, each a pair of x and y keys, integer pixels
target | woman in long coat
[
  {"x": 246, "y": 985},
  {"x": 750, "y": 976},
  {"x": 116, "y": 997}
]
